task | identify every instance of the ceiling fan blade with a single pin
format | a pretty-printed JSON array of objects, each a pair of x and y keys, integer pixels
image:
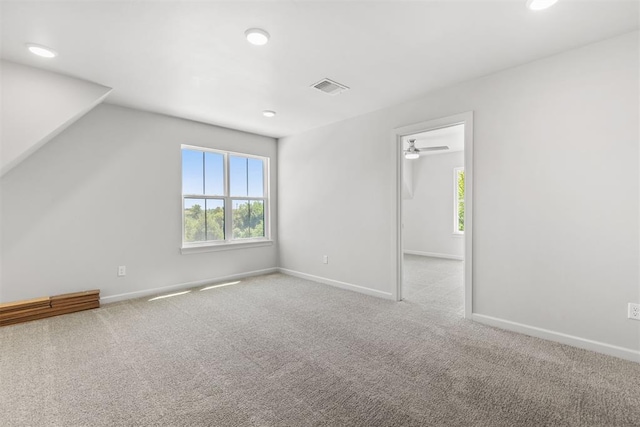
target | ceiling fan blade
[{"x": 439, "y": 148}]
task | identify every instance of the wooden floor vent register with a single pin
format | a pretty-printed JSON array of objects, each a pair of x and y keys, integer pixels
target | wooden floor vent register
[{"x": 39, "y": 308}]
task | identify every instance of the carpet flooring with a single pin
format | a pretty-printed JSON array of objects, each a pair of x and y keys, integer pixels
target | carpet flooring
[
  {"x": 435, "y": 283},
  {"x": 276, "y": 350}
]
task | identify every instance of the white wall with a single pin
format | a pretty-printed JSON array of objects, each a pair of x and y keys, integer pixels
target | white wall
[
  {"x": 107, "y": 192},
  {"x": 407, "y": 179},
  {"x": 428, "y": 215},
  {"x": 36, "y": 106},
  {"x": 556, "y": 193}
]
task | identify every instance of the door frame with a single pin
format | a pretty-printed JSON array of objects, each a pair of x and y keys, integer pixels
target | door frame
[{"x": 397, "y": 135}]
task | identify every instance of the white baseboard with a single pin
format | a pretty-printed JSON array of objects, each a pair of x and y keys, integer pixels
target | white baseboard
[
  {"x": 598, "y": 347},
  {"x": 434, "y": 255},
  {"x": 186, "y": 285},
  {"x": 337, "y": 284}
]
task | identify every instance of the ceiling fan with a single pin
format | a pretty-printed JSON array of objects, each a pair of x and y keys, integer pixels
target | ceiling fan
[{"x": 413, "y": 153}]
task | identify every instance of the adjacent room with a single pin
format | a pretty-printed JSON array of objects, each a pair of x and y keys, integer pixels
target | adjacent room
[
  {"x": 306, "y": 213},
  {"x": 433, "y": 218}
]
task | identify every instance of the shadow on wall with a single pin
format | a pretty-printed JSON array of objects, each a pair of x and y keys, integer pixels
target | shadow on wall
[{"x": 52, "y": 176}]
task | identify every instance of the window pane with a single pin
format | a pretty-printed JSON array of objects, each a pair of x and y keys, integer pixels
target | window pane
[
  {"x": 213, "y": 174},
  {"x": 248, "y": 219},
  {"x": 460, "y": 216},
  {"x": 238, "y": 176},
  {"x": 192, "y": 182},
  {"x": 255, "y": 178},
  {"x": 215, "y": 219},
  {"x": 460, "y": 185},
  {"x": 194, "y": 228},
  {"x": 256, "y": 218}
]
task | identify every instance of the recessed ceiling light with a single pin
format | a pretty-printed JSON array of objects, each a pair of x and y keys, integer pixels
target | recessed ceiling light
[
  {"x": 257, "y": 36},
  {"x": 268, "y": 113},
  {"x": 540, "y": 4},
  {"x": 43, "y": 51}
]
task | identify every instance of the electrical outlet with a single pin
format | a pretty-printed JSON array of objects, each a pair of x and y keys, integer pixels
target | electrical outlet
[
  {"x": 634, "y": 311},
  {"x": 122, "y": 270},
  {"x": 325, "y": 259}
]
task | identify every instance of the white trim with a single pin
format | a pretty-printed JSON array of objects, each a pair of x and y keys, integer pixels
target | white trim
[
  {"x": 586, "y": 344},
  {"x": 221, "y": 151},
  {"x": 434, "y": 255},
  {"x": 186, "y": 285},
  {"x": 456, "y": 201},
  {"x": 398, "y": 220},
  {"x": 224, "y": 246},
  {"x": 337, "y": 284},
  {"x": 468, "y": 214},
  {"x": 396, "y": 236}
]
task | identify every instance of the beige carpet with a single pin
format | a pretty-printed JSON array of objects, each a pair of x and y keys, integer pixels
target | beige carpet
[
  {"x": 280, "y": 351},
  {"x": 435, "y": 283}
]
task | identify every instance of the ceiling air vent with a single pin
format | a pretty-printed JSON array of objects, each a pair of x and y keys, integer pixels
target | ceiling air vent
[{"x": 330, "y": 87}]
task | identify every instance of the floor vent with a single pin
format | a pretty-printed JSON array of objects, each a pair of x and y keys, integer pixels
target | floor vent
[{"x": 329, "y": 87}]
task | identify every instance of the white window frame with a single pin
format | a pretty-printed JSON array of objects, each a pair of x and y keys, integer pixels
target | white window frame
[
  {"x": 228, "y": 242},
  {"x": 456, "y": 200}
]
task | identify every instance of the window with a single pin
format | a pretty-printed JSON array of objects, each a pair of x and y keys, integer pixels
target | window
[
  {"x": 224, "y": 197},
  {"x": 458, "y": 200}
]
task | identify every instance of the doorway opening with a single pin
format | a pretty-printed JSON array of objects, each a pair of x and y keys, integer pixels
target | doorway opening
[{"x": 434, "y": 213}]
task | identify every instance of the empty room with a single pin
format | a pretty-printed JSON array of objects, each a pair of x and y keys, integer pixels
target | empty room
[{"x": 320, "y": 213}]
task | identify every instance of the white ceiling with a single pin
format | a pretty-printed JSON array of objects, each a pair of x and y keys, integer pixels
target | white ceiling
[
  {"x": 451, "y": 136},
  {"x": 191, "y": 60}
]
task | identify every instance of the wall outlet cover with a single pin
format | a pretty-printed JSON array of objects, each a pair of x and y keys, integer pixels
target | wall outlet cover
[{"x": 634, "y": 311}]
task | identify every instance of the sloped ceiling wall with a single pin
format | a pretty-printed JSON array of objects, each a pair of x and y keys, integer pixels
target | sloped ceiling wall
[{"x": 36, "y": 105}]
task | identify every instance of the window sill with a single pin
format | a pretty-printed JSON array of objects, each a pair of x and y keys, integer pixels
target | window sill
[
  {"x": 227, "y": 246},
  {"x": 458, "y": 234}
]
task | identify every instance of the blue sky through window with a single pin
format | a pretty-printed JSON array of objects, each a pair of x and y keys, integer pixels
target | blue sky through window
[
  {"x": 256, "y": 178},
  {"x": 192, "y": 165},
  {"x": 246, "y": 175},
  {"x": 203, "y": 173},
  {"x": 214, "y": 174},
  {"x": 189, "y": 203},
  {"x": 238, "y": 176}
]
